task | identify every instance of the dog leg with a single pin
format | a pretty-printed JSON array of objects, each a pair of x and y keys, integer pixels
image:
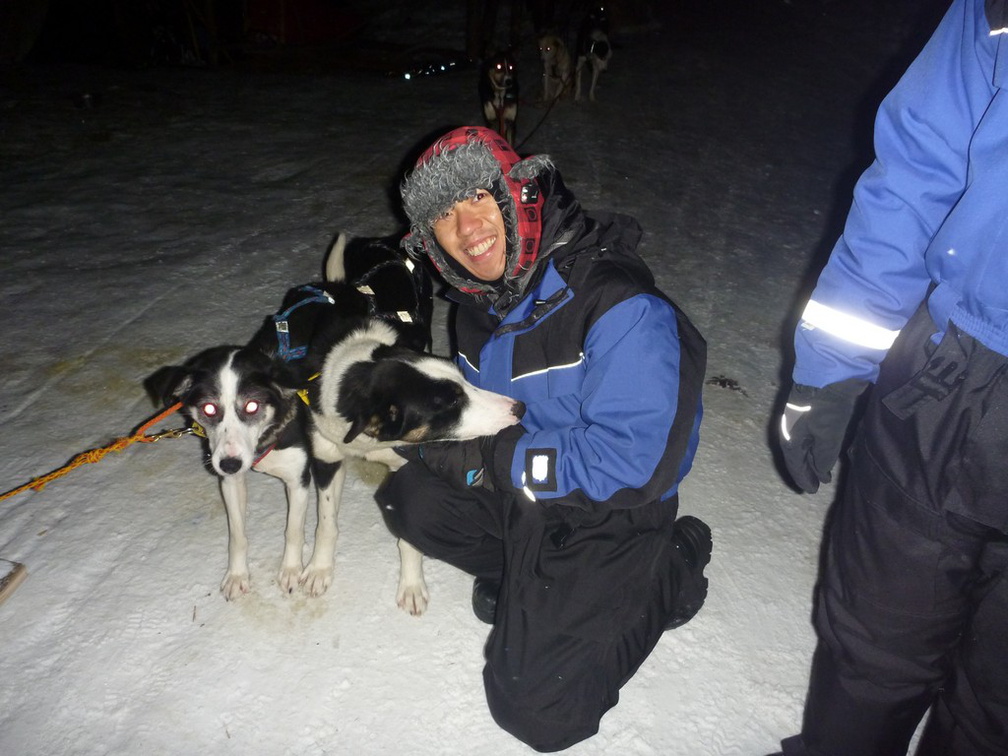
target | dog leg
[
  {"x": 594, "y": 81},
  {"x": 317, "y": 576},
  {"x": 236, "y": 579},
  {"x": 291, "y": 465},
  {"x": 412, "y": 594},
  {"x": 297, "y": 508},
  {"x": 577, "y": 79}
]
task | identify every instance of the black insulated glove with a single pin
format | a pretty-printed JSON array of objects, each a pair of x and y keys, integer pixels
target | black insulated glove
[
  {"x": 458, "y": 462},
  {"x": 467, "y": 463},
  {"x": 813, "y": 427}
]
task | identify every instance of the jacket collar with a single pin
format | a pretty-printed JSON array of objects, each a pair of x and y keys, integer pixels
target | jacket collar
[{"x": 549, "y": 294}]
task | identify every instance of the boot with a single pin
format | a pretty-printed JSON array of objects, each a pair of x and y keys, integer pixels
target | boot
[
  {"x": 692, "y": 539},
  {"x": 484, "y": 599}
]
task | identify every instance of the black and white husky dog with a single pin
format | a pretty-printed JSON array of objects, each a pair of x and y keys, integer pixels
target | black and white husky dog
[
  {"x": 338, "y": 372},
  {"x": 593, "y": 49}
]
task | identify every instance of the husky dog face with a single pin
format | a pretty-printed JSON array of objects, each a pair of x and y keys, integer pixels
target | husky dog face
[
  {"x": 501, "y": 70},
  {"x": 230, "y": 393}
]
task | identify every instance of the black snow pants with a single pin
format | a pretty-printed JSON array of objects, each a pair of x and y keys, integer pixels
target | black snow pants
[
  {"x": 912, "y": 609},
  {"x": 581, "y": 606}
]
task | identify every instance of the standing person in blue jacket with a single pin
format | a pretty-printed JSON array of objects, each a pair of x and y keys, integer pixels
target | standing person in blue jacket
[
  {"x": 912, "y": 608},
  {"x": 567, "y": 521}
]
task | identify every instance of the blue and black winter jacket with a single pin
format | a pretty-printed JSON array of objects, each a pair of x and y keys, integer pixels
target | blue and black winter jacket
[
  {"x": 609, "y": 368},
  {"x": 929, "y": 220}
]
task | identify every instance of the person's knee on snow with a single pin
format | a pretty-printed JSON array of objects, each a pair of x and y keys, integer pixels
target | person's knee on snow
[{"x": 551, "y": 714}]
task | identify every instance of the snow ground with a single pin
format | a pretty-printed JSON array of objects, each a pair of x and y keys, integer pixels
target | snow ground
[{"x": 173, "y": 215}]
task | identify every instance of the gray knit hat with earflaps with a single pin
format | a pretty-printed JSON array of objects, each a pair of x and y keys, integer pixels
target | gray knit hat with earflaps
[{"x": 452, "y": 169}]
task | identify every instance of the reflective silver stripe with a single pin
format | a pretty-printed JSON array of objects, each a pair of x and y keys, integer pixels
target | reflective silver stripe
[
  {"x": 526, "y": 490},
  {"x": 850, "y": 328},
  {"x": 791, "y": 414},
  {"x": 569, "y": 365}
]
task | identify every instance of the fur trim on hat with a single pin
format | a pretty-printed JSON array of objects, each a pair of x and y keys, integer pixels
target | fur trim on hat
[
  {"x": 531, "y": 167},
  {"x": 446, "y": 178}
]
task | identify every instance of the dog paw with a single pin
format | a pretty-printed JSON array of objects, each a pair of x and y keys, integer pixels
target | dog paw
[
  {"x": 235, "y": 584},
  {"x": 316, "y": 581},
  {"x": 413, "y": 598},
  {"x": 289, "y": 578}
]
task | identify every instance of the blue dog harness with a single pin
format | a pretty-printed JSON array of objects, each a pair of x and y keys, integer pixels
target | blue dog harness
[{"x": 285, "y": 351}]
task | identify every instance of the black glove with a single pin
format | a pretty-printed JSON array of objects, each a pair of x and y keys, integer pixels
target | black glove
[
  {"x": 813, "y": 427},
  {"x": 469, "y": 463}
]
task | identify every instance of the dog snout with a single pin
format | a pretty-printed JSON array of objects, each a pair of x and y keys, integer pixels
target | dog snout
[
  {"x": 518, "y": 409},
  {"x": 230, "y": 465}
]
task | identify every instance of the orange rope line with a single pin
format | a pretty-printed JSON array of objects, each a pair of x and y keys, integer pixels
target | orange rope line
[{"x": 94, "y": 455}]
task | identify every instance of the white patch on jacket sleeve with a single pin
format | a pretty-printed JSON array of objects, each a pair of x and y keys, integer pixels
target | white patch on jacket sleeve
[
  {"x": 540, "y": 468},
  {"x": 540, "y": 465}
]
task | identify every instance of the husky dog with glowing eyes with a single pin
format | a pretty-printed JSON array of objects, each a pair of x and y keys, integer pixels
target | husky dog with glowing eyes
[{"x": 338, "y": 372}]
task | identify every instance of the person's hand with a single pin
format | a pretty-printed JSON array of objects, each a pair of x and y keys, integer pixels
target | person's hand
[
  {"x": 465, "y": 463},
  {"x": 458, "y": 462},
  {"x": 813, "y": 427}
]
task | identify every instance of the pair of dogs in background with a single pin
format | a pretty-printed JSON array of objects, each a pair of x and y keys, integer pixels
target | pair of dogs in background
[
  {"x": 592, "y": 51},
  {"x": 341, "y": 371},
  {"x": 498, "y": 82}
]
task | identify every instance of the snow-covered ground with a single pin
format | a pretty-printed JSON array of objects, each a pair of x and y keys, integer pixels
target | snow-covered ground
[{"x": 174, "y": 213}]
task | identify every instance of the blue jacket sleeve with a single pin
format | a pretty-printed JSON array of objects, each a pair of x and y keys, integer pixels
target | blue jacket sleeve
[
  {"x": 877, "y": 274},
  {"x": 628, "y": 403}
]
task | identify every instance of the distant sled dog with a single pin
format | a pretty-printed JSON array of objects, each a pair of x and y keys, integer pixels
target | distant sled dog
[
  {"x": 498, "y": 91},
  {"x": 556, "y": 67},
  {"x": 593, "y": 49},
  {"x": 375, "y": 389}
]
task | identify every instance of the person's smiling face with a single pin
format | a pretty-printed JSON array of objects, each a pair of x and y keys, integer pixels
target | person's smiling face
[{"x": 472, "y": 232}]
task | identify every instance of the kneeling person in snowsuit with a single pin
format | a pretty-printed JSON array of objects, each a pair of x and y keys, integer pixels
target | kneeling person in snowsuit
[{"x": 567, "y": 521}]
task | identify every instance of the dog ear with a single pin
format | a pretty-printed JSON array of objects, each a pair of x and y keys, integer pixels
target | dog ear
[
  {"x": 360, "y": 425},
  {"x": 168, "y": 384},
  {"x": 384, "y": 425},
  {"x": 284, "y": 378},
  {"x": 393, "y": 421}
]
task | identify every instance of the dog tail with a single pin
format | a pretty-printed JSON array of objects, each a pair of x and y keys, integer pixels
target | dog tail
[{"x": 335, "y": 266}]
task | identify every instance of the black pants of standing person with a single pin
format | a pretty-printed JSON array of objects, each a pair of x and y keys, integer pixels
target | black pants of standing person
[
  {"x": 912, "y": 609},
  {"x": 583, "y": 600}
]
